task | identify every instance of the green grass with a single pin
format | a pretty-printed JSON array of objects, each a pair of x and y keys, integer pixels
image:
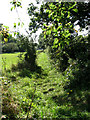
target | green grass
[
  {"x": 43, "y": 61},
  {"x": 9, "y": 59},
  {"x": 50, "y": 98}
]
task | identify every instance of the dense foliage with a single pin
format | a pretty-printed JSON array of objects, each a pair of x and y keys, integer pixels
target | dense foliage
[
  {"x": 69, "y": 52},
  {"x": 30, "y": 52},
  {"x": 57, "y": 22},
  {"x": 41, "y": 42}
]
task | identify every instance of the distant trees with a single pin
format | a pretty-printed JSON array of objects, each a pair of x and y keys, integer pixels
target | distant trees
[
  {"x": 9, "y": 43},
  {"x": 10, "y": 48}
]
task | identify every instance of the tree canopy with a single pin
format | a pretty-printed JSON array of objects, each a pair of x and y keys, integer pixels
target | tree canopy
[{"x": 57, "y": 19}]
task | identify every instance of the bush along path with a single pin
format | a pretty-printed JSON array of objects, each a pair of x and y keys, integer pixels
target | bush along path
[{"x": 39, "y": 94}]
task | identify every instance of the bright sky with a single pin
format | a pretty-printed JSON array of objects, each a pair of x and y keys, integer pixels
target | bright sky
[{"x": 8, "y": 17}]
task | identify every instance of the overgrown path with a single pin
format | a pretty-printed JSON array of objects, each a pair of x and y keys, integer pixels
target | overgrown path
[
  {"x": 49, "y": 88},
  {"x": 49, "y": 100},
  {"x": 52, "y": 82}
]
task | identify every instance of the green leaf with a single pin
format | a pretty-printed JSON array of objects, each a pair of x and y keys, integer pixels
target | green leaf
[
  {"x": 45, "y": 36},
  {"x": 14, "y": 33},
  {"x": 18, "y": 23},
  {"x": 14, "y": 25},
  {"x": 72, "y": 6},
  {"x": 48, "y": 32},
  {"x": 17, "y": 33},
  {"x": 58, "y": 20},
  {"x": 55, "y": 30},
  {"x": 12, "y": 8},
  {"x": 24, "y": 99},
  {"x": 66, "y": 36},
  {"x": 66, "y": 31},
  {"x": 56, "y": 41},
  {"x": 59, "y": 44},
  {"x": 22, "y": 24},
  {"x": 62, "y": 14},
  {"x": 48, "y": 11},
  {"x": 49, "y": 15},
  {"x": 44, "y": 24},
  {"x": 20, "y": 6},
  {"x": 43, "y": 29},
  {"x": 67, "y": 42},
  {"x": 68, "y": 14},
  {"x": 75, "y": 10},
  {"x": 63, "y": 8},
  {"x": 71, "y": 26},
  {"x": 60, "y": 27}
]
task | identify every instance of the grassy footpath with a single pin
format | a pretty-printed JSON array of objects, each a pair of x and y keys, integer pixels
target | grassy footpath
[{"x": 37, "y": 94}]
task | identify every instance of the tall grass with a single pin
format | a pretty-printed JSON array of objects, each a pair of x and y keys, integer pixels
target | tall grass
[{"x": 38, "y": 94}]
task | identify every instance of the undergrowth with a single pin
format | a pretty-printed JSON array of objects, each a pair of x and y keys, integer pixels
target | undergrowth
[{"x": 41, "y": 94}]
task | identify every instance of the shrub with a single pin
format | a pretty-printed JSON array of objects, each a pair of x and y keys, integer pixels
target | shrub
[{"x": 29, "y": 61}]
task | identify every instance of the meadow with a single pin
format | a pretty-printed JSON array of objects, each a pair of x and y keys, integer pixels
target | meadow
[
  {"x": 9, "y": 58},
  {"x": 38, "y": 94}
]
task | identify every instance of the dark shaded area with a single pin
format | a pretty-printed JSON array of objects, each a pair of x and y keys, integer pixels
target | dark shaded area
[
  {"x": 26, "y": 70},
  {"x": 60, "y": 100},
  {"x": 73, "y": 104},
  {"x": 9, "y": 108}
]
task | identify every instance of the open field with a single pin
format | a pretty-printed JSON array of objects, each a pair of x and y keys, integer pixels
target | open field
[
  {"x": 9, "y": 59},
  {"x": 39, "y": 94}
]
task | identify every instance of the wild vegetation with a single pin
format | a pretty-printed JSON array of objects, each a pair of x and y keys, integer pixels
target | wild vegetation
[
  {"x": 41, "y": 94},
  {"x": 52, "y": 82}
]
